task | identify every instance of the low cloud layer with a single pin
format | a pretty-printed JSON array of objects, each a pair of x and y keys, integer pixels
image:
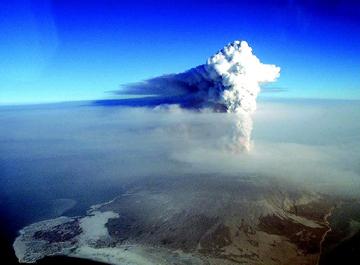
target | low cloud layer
[{"x": 313, "y": 144}]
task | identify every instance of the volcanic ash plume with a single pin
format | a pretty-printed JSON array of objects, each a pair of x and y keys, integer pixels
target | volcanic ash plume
[
  {"x": 238, "y": 74},
  {"x": 229, "y": 81}
]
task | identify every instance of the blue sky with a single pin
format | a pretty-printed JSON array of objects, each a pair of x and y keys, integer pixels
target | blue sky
[{"x": 76, "y": 50}]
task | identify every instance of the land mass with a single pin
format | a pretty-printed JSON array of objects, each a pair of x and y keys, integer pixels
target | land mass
[{"x": 191, "y": 220}]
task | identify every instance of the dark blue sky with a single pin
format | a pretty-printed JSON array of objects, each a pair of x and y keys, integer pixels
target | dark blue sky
[{"x": 73, "y": 50}]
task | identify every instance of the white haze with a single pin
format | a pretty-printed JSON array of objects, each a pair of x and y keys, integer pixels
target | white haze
[{"x": 311, "y": 143}]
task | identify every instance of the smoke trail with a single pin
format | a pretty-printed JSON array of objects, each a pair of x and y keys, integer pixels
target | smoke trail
[{"x": 229, "y": 81}]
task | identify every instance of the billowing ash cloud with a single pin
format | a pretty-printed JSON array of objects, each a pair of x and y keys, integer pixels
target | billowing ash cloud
[{"x": 229, "y": 81}]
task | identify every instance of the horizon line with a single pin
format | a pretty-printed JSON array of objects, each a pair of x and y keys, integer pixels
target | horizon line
[{"x": 74, "y": 101}]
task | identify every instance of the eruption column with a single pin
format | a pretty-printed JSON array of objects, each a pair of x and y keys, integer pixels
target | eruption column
[
  {"x": 229, "y": 81},
  {"x": 238, "y": 73}
]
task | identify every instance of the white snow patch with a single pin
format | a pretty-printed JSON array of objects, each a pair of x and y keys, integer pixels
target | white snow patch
[{"x": 93, "y": 226}]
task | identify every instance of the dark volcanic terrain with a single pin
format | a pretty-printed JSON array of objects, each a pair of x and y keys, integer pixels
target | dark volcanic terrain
[{"x": 191, "y": 220}]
